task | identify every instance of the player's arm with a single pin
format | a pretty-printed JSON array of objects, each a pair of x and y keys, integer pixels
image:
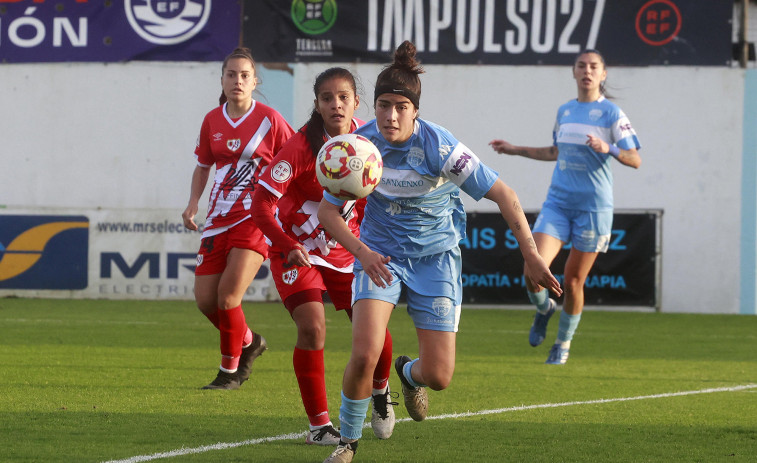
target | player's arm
[
  {"x": 545, "y": 153},
  {"x": 628, "y": 158},
  {"x": 262, "y": 210},
  {"x": 536, "y": 269},
  {"x": 373, "y": 263},
  {"x": 199, "y": 180}
]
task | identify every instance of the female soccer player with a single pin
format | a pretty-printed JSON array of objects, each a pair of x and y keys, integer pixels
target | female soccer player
[
  {"x": 409, "y": 237},
  {"x": 589, "y": 132},
  {"x": 306, "y": 262},
  {"x": 240, "y": 137}
]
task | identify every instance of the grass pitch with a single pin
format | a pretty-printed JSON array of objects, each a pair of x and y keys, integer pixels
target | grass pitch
[{"x": 96, "y": 381}]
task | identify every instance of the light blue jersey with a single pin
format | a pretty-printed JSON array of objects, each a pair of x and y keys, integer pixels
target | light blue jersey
[
  {"x": 582, "y": 179},
  {"x": 416, "y": 209}
]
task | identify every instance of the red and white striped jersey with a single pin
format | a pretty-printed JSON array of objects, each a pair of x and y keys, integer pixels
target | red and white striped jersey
[
  {"x": 292, "y": 179},
  {"x": 241, "y": 150}
]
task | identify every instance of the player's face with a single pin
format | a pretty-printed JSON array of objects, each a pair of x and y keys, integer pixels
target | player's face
[
  {"x": 337, "y": 103},
  {"x": 589, "y": 72},
  {"x": 395, "y": 116},
  {"x": 238, "y": 80}
]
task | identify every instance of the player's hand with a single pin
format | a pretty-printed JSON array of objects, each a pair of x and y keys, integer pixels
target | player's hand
[
  {"x": 299, "y": 256},
  {"x": 374, "y": 265},
  {"x": 502, "y": 147},
  {"x": 537, "y": 271},
  {"x": 188, "y": 217},
  {"x": 597, "y": 144}
]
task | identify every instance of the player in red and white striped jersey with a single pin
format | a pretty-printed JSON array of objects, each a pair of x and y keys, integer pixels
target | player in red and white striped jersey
[
  {"x": 240, "y": 138},
  {"x": 306, "y": 262}
]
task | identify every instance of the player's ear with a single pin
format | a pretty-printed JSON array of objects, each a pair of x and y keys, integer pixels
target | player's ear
[
  {"x": 357, "y": 101},
  {"x": 315, "y": 104}
]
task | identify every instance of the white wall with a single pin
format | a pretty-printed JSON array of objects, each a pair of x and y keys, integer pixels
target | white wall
[{"x": 122, "y": 136}]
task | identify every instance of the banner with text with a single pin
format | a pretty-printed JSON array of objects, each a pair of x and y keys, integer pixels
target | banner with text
[
  {"x": 104, "y": 254},
  {"x": 628, "y": 274},
  {"x": 37, "y": 31},
  {"x": 518, "y": 32}
]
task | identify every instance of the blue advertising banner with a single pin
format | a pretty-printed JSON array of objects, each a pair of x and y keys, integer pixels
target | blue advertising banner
[
  {"x": 516, "y": 32},
  {"x": 43, "y": 251},
  {"x": 37, "y": 31}
]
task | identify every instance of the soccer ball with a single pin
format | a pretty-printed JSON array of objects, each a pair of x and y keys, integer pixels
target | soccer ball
[{"x": 349, "y": 166}]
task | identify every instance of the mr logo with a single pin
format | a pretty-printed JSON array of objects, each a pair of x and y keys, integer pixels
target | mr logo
[{"x": 43, "y": 252}]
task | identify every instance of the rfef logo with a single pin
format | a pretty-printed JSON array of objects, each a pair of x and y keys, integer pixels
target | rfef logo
[
  {"x": 43, "y": 252},
  {"x": 167, "y": 22}
]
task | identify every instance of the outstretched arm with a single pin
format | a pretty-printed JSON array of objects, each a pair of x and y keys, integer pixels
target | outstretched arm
[
  {"x": 509, "y": 205},
  {"x": 545, "y": 153}
]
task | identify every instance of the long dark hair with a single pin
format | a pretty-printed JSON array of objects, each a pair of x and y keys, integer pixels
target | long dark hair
[
  {"x": 401, "y": 77},
  {"x": 239, "y": 52},
  {"x": 313, "y": 128}
]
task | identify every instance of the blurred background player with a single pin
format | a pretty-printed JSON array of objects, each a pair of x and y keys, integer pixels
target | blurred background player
[
  {"x": 409, "y": 237},
  {"x": 306, "y": 262},
  {"x": 239, "y": 137},
  {"x": 588, "y": 133}
]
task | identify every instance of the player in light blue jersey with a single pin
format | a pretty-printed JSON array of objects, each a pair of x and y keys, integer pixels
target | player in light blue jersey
[
  {"x": 409, "y": 238},
  {"x": 589, "y": 132}
]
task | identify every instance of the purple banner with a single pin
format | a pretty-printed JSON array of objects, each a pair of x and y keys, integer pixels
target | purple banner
[{"x": 37, "y": 31}]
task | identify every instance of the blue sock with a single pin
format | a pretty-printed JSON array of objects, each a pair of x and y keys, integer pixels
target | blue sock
[
  {"x": 352, "y": 415},
  {"x": 406, "y": 372},
  {"x": 567, "y": 326},
  {"x": 540, "y": 300}
]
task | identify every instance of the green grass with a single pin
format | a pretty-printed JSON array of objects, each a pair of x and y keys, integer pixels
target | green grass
[{"x": 92, "y": 381}]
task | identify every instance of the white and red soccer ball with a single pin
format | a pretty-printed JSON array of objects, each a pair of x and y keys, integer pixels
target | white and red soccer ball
[{"x": 349, "y": 166}]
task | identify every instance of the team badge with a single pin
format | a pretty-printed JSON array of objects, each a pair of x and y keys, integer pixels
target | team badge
[
  {"x": 290, "y": 276},
  {"x": 415, "y": 156},
  {"x": 595, "y": 114},
  {"x": 441, "y": 306},
  {"x": 233, "y": 144},
  {"x": 199, "y": 259}
]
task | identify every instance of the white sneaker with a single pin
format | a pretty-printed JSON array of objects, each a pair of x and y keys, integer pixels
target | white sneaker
[
  {"x": 325, "y": 435},
  {"x": 382, "y": 417},
  {"x": 343, "y": 453}
]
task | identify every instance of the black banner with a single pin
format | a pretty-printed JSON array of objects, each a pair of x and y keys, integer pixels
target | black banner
[
  {"x": 626, "y": 275},
  {"x": 517, "y": 32}
]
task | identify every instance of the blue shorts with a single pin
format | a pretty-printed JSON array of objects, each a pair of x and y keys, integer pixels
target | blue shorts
[
  {"x": 434, "y": 288},
  {"x": 587, "y": 231}
]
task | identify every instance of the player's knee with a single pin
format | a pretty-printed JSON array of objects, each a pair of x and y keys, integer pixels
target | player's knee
[{"x": 311, "y": 337}]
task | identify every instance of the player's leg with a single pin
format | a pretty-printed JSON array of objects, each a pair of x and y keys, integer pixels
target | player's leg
[
  {"x": 383, "y": 419},
  {"x": 551, "y": 230},
  {"x": 301, "y": 290},
  {"x": 591, "y": 235},
  {"x": 241, "y": 267},
  {"x": 577, "y": 268},
  {"x": 370, "y": 317}
]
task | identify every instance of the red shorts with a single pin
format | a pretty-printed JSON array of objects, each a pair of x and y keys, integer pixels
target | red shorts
[
  {"x": 211, "y": 258},
  {"x": 298, "y": 285}
]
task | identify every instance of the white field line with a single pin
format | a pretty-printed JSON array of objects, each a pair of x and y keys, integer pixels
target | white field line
[{"x": 301, "y": 435}]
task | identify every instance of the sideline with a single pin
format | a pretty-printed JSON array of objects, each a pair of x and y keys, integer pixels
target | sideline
[{"x": 301, "y": 435}]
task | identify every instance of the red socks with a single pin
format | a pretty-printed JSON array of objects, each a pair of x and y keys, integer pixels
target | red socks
[
  {"x": 310, "y": 372},
  {"x": 232, "y": 325},
  {"x": 384, "y": 365}
]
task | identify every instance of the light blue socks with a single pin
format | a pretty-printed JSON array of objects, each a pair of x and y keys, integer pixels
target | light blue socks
[
  {"x": 540, "y": 300},
  {"x": 351, "y": 417},
  {"x": 567, "y": 326}
]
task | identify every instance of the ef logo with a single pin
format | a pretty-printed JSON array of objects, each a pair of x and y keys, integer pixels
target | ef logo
[{"x": 658, "y": 22}]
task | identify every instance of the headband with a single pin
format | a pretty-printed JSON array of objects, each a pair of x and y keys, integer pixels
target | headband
[{"x": 407, "y": 93}]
